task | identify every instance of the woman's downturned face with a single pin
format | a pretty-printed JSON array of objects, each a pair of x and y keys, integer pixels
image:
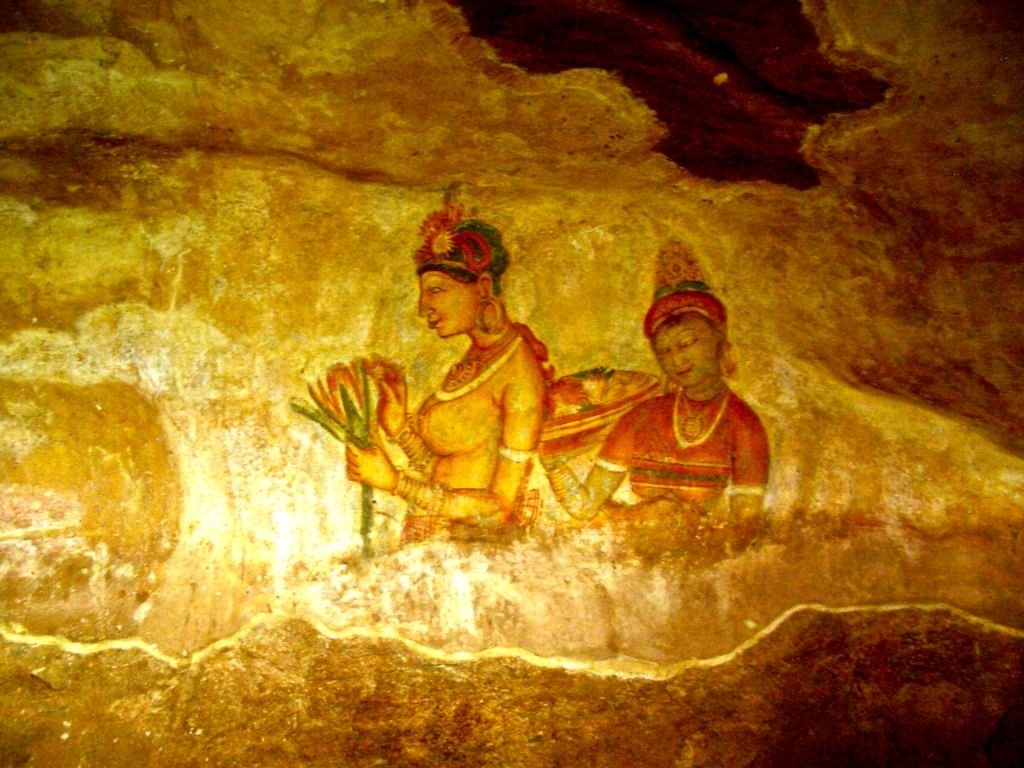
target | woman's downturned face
[
  {"x": 688, "y": 351},
  {"x": 448, "y": 305}
]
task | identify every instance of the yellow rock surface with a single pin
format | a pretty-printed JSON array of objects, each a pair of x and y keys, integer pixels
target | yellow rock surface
[
  {"x": 90, "y": 502},
  {"x": 202, "y": 205}
]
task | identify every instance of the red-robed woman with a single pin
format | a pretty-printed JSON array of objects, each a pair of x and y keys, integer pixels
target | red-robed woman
[{"x": 695, "y": 444}]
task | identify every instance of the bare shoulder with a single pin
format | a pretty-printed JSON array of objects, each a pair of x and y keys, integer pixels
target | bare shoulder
[{"x": 524, "y": 367}]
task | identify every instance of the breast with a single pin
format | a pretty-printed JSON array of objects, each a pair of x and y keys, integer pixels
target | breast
[{"x": 468, "y": 424}]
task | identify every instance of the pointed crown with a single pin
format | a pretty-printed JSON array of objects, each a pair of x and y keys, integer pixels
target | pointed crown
[{"x": 680, "y": 287}]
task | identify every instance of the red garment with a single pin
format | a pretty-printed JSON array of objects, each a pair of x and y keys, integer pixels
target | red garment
[
  {"x": 679, "y": 302},
  {"x": 647, "y": 442}
]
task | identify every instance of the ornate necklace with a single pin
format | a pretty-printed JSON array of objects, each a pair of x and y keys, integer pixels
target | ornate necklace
[
  {"x": 690, "y": 429},
  {"x": 477, "y": 366}
]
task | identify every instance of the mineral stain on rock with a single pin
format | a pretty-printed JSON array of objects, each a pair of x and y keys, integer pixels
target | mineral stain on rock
[
  {"x": 90, "y": 504},
  {"x": 736, "y": 83}
]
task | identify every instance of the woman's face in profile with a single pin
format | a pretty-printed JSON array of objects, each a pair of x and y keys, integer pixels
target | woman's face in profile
[
  {"x": 688, "y": 350},
  {"x": 448, "y": 305}
]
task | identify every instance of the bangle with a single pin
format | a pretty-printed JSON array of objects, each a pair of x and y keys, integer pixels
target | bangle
[
  {"x": 745, "y": 490},
  {"x": 516, "y": 457},
  {"x": 609, "y": 465},
  {"x": 422, "y": 496}
]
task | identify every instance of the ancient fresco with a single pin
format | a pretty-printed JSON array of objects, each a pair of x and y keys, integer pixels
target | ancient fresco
[
  {"x": 327, "y": 324},
  {"x": 691, "y": 453}
]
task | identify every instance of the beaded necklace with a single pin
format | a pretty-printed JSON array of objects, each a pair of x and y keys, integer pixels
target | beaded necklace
[
  {"x": 691, "y": 431},
  {"x": 478, "y": 366}
]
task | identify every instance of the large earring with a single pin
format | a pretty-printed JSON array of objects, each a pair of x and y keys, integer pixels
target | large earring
[
  {"x": 496, "y": 321},
  {"x": 727, "y": 360}
]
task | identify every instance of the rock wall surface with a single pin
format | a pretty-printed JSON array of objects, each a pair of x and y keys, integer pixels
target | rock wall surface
[
  {"x": 897, "y": 688},
  {"x": 204, "y": 205}
]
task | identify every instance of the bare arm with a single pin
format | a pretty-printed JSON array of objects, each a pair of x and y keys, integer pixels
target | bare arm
[
  {"x": 583, "y": 500},
  {"x": 521, "y": 403},
  {"x": 746, "y": 518},
  {"x": 392, "y": 412},
  {"x": 750, "y": 476}
]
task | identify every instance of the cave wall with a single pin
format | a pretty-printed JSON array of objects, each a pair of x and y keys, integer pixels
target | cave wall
[{"x": 203, "y": 206}]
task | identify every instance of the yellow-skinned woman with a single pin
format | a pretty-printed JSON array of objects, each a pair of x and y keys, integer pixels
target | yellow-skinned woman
[{"x": 471, "y": 443}]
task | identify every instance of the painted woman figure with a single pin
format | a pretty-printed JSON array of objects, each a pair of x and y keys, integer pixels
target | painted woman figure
[
  {"x": 471, "y": 443},
  {"x": 694, "y": 444}
]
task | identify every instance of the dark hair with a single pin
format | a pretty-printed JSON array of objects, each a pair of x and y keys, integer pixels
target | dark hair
[
  {"x": 457, "y": 273},
  {"x": 498, "y": 256}
]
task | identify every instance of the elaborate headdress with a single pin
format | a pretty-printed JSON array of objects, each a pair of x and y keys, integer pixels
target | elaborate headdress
[
  {"x": 462, "y": 248},
  {"x": 680, "y": 288}
]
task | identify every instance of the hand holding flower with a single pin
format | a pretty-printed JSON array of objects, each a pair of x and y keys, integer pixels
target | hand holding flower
[
  {"x": 370, "y": 466},
  {"x": 343, "y": 405},
  {"x": 392, "y": 403}
]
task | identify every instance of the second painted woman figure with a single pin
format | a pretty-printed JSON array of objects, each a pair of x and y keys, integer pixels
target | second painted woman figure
[{"x": 693, "y": 445}]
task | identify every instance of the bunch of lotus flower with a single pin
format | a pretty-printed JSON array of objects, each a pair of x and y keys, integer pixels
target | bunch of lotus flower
[
  {"x": 343, "y": 405},
  {"x": 343, "y": 401}
]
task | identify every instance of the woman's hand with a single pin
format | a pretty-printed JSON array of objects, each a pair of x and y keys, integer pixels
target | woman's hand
[
  {"x": 747, "y": 524},
  {"x": 370, "y": 466},
  {"x": 392, "y": 405}
]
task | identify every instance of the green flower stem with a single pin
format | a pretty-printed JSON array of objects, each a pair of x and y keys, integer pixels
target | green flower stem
[
  {"x": 335, "y": 430},
  {"x": 356, "y": 431},
  {"x": 366, "y": 519}
]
